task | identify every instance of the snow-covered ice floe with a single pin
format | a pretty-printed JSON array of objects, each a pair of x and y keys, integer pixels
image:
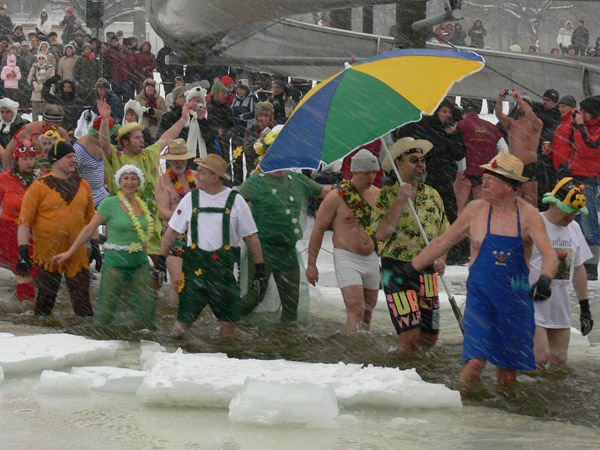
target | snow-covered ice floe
[
  {"x": 213, "y": 380},
  {"x": 20, "y": 354}
]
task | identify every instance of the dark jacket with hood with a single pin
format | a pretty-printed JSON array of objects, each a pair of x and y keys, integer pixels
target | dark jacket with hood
[{"x": 70, "y": 101}]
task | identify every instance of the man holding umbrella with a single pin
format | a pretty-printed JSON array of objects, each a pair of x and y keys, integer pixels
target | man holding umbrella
[{"x": 415, "y": 315}]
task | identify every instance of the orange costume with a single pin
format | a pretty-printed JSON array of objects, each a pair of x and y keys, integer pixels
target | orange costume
[{"x": 57, "y": 210}]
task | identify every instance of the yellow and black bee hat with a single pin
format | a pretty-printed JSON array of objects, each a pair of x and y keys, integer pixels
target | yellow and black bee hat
[{"x": 567, "y": 196}]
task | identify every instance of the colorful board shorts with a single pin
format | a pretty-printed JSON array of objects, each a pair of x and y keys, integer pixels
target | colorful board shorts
[{"x": 410, "y": 309}]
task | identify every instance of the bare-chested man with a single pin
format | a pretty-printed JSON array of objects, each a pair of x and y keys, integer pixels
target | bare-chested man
[
  {"x": 51, "y": 119},
  {"x": 356, "y": 262},
  {"x": 523, "y": 138},
  {"x": 499, "y": 317},
  {"x": 170, "y": 189}
]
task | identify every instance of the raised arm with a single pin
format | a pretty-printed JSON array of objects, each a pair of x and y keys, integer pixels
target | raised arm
[
  {"x": 390, "y": 220},
  {"x": 104, "y": 111},
  {"x": 502, "y": 118}
]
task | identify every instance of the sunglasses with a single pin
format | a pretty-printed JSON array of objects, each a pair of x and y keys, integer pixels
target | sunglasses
[{"x": 416, "y": 159}]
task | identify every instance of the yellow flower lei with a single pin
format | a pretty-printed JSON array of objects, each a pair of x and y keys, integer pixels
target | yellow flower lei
[{"x": 144, "y": 237}]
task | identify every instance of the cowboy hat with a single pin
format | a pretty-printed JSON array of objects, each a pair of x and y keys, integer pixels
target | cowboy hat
[
  {"x": 506, "y": 165},
  {"x": 214, "y": 163},
  {"x": 402, "y": 146},
  {"x": 177, "y": 149}
]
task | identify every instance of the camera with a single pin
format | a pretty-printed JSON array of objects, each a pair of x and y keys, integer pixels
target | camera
[
  {"x": 574, "y": 113},
  {"x": 449, "y": 123},
  {"x": 509, "y": 91}
]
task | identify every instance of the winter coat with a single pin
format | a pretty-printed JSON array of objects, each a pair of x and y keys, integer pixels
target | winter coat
[
  {"x": 47, "y": 52},
  {"x": 477, "y": 33},
  {"x": 173, "y": 115},
  {"x": 119, "y": 62},
  {"x": 86, "y": 73},
  {"x": 115, "y": 104},
  {"x": 6, "y": 25},
  {"x": 459, "y": 36},
  {"x": 243, "y": 112},
  {"x": 145, "y": 63},
  {"x": 159, "y": 110},
  {"x": 11, "y": 73},
  {"x": 70, "y": 24},
  {"x": 168, "y": 72},
  {"x": 37, "y": 75},
  {"x": 70, "y": 101},
  {"x": 564, "y": 36},
  {"x": 17, "y": 124},
  {"x": 45, "y": 27},
  {"x": 66, "y": 64},
  {"x": 586, "y": 158},
  {"x": 581, "y": 37},
  {"x": 219, "y": 116}
]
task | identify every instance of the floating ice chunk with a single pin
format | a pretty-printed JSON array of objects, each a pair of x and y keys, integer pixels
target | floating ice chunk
[
  {"x": 398, "y": 422},
  {"x": 149, "y": 347},
  {"x": 273, "y": 402},
  {"x": 212, "y": 380},
  {"x": 62, "y": 383},
  {"x": 20, "y": 354},
  {"x": 111, "y": 379}
]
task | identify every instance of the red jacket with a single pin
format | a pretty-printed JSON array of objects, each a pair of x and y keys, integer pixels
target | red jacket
[
  {"x": 145, "y": 63},
  {"x": 586, "y": 159},
  {"x": 561, "y": 144},
  {"x": 119, "y": 61}
]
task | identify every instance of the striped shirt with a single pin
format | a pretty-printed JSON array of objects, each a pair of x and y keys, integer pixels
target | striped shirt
[{"x": 92, "y": 170}]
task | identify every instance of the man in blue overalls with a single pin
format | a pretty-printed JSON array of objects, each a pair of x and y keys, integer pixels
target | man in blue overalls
[
  {"x": 214, "y": 218},
  {"x": 499, "y": 316}
]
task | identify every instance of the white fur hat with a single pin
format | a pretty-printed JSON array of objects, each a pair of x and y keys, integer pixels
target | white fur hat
[
  {"x": 136, "y": 107},
  {"x": 194, "y": 92},
  {"x": 10, "y": 104},
  {"x": 130, "y": 168}
]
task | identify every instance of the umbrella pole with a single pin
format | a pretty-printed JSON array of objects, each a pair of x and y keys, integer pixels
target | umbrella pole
[{"x": 455, "y": 309}]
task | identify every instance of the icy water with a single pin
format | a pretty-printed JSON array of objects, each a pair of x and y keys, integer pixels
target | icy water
[{"x": 549, "y": 409}]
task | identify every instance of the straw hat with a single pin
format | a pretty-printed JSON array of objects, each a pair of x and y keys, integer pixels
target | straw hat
[
  {"x": 125, "y": 130},
  {"x": 506, "y": 165},
  {"x": 214, "y": 163},
  {"x": 402, "y": 146},
  {"x": 177, "y": 150}
]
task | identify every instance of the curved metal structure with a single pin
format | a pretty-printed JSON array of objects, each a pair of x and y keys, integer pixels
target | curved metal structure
[{"x": 235, "y": 32}]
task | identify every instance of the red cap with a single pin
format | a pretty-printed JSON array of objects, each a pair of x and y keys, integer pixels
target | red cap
[
  {"x": 227, "y": 79},
  {"x": 70, "y": 10},
  {"x": 24, "y": 148}
]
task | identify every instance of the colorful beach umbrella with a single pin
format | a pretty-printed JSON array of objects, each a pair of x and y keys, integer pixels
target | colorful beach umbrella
[{"x": 366, "y": 101}]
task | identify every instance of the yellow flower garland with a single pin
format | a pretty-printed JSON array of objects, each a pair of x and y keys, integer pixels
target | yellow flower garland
[{"x": 144, "y": 237}]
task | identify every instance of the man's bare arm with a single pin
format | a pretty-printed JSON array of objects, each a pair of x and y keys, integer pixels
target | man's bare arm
[
  {"x": 440, "y": 246},
  {"x": 502, "y": 118},
  {"x": 324, "y": 218},
  {"x": 580, "y": 282},
  {"x": 162, "y": 199},
  {"x": 167, "y": 241}
]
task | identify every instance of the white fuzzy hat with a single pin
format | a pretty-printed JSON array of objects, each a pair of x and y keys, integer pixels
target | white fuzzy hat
[
  {"x": 194, "y": 92},
  {"x": 14, "y": 107},
  {"x": 130, "y": 168},
  {"x": 137, "y": 108}
]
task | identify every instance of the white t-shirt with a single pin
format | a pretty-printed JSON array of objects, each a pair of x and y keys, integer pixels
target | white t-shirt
[
  {"x": 572, "y": 251},
  {"x": 210, "y": 225}
]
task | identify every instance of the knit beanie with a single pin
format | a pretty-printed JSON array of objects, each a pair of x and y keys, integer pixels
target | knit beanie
[
  {"x": 568, "y": 100},
  {"x": 364, "y": 161},
  {"x": 60, "y": 149},
  {"x": 217, "y": 88},
  {"x": 591, "y": 104},
  {"x": 552, "y": 94}
]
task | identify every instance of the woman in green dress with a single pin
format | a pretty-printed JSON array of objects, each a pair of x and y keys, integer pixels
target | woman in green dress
[{"x": 126, "y": 295}]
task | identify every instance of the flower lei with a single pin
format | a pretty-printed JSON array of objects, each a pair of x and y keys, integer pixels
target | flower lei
[
  {"x": 27, "y": 178},
  {"x": 361, "y": 209},
  {"x": 175, "y": 180},
  {"x": 144, "y": 237}
]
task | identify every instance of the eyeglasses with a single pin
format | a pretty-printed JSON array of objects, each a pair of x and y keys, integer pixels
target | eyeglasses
[{"x": 416, "y": 159}]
